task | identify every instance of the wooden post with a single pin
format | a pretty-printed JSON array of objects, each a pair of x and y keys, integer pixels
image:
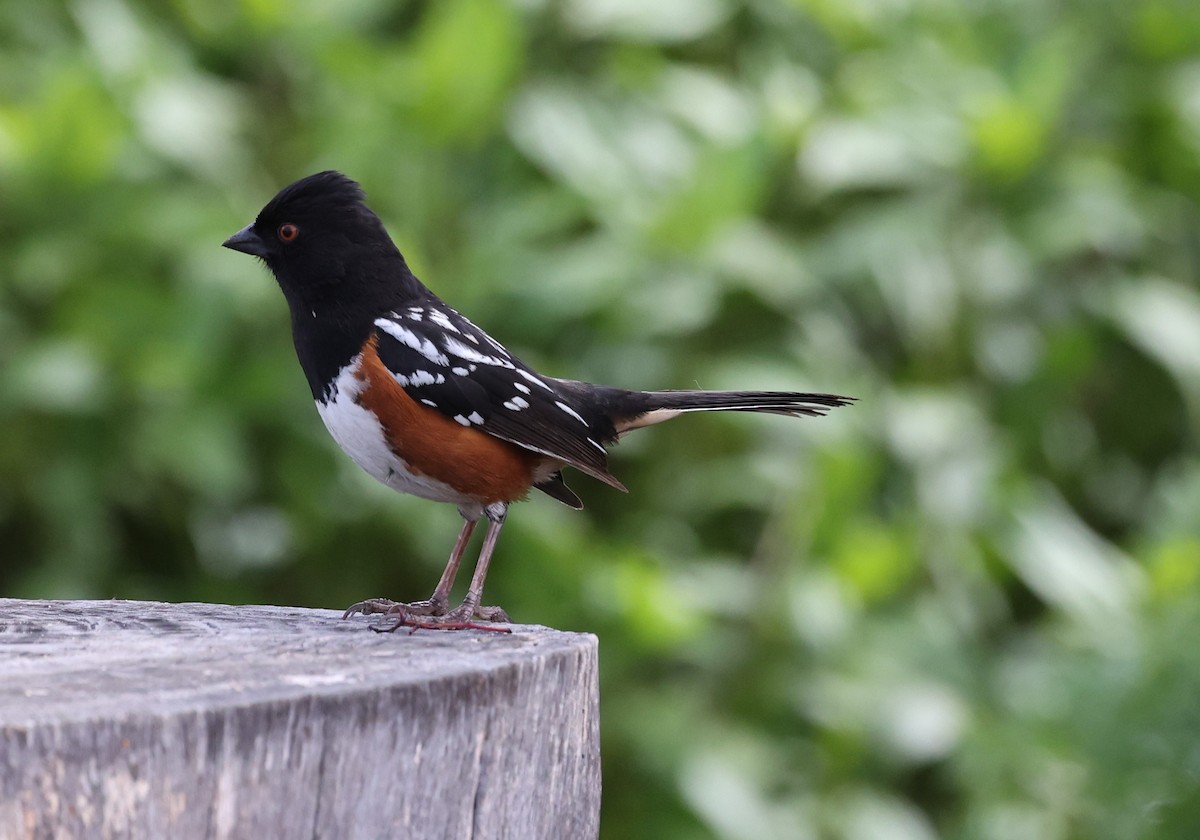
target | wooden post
[{"x": 149, "y": 720}]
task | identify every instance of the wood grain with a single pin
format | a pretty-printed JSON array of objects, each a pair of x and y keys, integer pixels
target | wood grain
[{"x": 136, "y": 719}]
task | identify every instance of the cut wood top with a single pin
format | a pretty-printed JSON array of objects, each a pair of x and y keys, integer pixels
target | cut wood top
[
  {"x": 134, "y": 719},
  {"x": 75, "y": 660}
]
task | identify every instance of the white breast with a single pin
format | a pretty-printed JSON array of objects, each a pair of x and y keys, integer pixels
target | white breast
[{"x": 358, "y": 432}]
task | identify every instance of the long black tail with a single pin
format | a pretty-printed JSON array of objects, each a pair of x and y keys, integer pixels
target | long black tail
[
  {"x": 611, "y": 412},
  {"x": 644, "y": 408},
  {"x": 776, "y": 402}
]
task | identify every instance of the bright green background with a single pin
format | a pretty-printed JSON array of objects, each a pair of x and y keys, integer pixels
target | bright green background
[{"x": 964, "y": 608}]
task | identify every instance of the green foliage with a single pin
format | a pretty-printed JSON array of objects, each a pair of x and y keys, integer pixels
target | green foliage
[{"x": 964, "y": 608}]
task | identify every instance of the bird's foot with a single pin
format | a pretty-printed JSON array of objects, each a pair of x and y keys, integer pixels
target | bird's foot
[
  {"x": 429, "y": 615},
  {"x": 466, "y": 612},
  {"x": 459, "y": 618},
  {"x": 386, "y": 606}
]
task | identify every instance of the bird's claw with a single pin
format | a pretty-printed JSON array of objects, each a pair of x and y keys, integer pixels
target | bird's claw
[{"x": 429, "y": 615}]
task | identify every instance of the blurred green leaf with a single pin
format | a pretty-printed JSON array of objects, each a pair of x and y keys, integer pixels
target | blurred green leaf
[{"x": 465, "y": 57}]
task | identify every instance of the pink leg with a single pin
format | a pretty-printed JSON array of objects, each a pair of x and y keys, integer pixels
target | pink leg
[
  {"x": 432, "y": 614},
  {"x": 470, "y": 606}
]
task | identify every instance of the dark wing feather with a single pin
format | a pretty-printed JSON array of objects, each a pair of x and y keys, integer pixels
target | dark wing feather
[
  {"x": 556, "y": 488},
  {"x": 447, "y": 363}
]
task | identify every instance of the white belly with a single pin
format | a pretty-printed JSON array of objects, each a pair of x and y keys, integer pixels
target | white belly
[{"x": 358, "y": 432}]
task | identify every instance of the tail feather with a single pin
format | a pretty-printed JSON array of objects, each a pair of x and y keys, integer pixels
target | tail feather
[
  {"x": 645, "y": 408},
  {"x": 778, "y": 401}
]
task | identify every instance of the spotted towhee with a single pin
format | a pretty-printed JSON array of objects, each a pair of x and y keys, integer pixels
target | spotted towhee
[{"x": 428, "y": 403}]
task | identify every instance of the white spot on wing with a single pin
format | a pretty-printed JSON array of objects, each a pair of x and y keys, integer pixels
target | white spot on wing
[
  {"x": 475, "y": 418},
  {"x": 496, "y": 344},
  {"x": 459, "y": 371},
  {"x": 410, "y": 339},
  {"x": 534, "y": 379},
  {"x": 429, "y": 403},
  {"x": 421, "y": 377},
  {"x": 524, "y": 389},
  {"x": 570, "y": 411},
  {"x": 458, "y": 418},
  {"x": 470, "y": 354},
  {"x": 516, "y": 404},
  {"x": 442, "y": 321}
]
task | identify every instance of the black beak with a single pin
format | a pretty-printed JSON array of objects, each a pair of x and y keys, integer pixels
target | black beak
[{"x": 246, "y": 241}]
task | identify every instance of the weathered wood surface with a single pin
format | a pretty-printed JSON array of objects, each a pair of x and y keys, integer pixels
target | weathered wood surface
[{"x": 124, "y": 719}]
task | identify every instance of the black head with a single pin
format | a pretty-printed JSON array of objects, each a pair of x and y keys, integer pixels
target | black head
[
  {"x": 336, "y": 265},
  {"x": 326, "y": 248}
]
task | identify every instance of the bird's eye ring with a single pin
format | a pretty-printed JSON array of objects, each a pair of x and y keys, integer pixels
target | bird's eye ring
[{"x": 288, "y": 232}]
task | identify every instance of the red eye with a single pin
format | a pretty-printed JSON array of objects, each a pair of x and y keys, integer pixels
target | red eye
[{"x": 288, "y": 232}]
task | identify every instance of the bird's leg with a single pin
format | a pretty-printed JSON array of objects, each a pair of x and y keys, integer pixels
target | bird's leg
[
  {"x": 432, "y": 614},
  {"x": 436, "y": 604},
  {"x": 439, "y": 602},
  {"x": 470, "y": 607},
  {"x": 461, "y": 617}
]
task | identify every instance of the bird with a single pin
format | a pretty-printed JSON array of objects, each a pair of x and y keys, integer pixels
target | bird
[{"x": 428, "y": 403}]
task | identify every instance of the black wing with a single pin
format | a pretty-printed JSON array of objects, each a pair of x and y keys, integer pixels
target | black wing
[{"x": 447, "y": 363}]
